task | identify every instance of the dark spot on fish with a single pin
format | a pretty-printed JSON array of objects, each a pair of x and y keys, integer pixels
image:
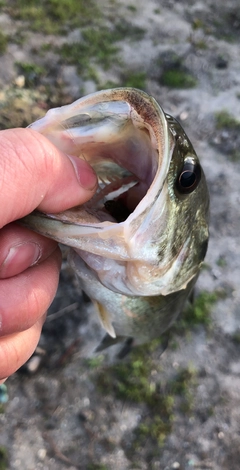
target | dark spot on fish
[
  {"x": 117, "y": 209},
  {"x": 189, "y": 177}
]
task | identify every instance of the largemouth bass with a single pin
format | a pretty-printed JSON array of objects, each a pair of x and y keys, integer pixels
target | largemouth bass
[{"x": 138, "y": 244}]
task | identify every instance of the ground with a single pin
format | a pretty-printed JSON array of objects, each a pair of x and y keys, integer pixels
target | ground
[{"x": 175, "y": 410}]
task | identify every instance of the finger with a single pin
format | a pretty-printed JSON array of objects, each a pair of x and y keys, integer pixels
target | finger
[
  {"x": 26, "y": 296},
  {"x": 34, "y": 173},
  {"x": 21, "y": 248},
  {"x": 16, "y": 349}
]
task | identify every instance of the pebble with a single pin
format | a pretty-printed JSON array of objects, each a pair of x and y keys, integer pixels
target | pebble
[{"x": 176, "y": 465}]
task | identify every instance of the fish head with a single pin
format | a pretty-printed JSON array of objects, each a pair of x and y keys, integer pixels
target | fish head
[{"x": 145, "y": 230}]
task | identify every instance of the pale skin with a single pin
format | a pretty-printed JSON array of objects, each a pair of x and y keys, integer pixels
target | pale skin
[{"x": 33, "y": 174}]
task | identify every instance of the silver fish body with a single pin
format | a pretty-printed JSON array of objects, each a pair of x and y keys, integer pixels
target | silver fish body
[{"x": 138, "y": 244}]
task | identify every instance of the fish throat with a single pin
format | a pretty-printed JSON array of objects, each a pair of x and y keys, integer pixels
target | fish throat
[{"x": 126, "y": 162}]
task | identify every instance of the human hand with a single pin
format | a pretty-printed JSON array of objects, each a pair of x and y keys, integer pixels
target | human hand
[{"x": 33, "y": 174}]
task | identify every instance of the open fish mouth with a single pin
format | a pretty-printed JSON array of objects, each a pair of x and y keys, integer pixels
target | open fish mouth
[
  {"x": 145, "y": 231},
  {"x": 125, "y": 167},
  {"x": 123, "y": 134}
]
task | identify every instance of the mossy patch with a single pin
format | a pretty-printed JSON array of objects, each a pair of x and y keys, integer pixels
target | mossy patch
[
  {"x": 221, "y": 262},
  {"x": 228, "y": 135},
  {"x": 183, "y": 385},
  {"x": 21, "y": 106},
  {"x": 198, "y": 312},
  {"x": 96, "y": 46},
  {"x": 135, "y": 80},
  {"x": 33, "y": 73},
  {"x": 95, "y": 362},
  {"x": 178, "y": 79},
  {"x": 95, "y": 466},
  {"x": 3, "y": 458},
  {"x": 3, "y": 42},
  {"x": 131, "y": 381},
  {"x": 236, "y": 337},
  {"x": 224, "y": 120},
  {"x": 174, "y": 72},
  {"x": 54, "y": 16},
  {"x": 99, "y": 46},
  {"x": 127, "y": 79},
  {"x": 132, "y": 8},
  {"x": 126, "y": 30},
  {"x": 154, "y": 428}
]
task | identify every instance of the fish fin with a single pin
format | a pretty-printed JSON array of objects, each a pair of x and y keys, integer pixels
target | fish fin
[
  {"x": 126, "y": 349},
  {"x": 108, "y": 341},
  {"x": 105, "y": 319}
]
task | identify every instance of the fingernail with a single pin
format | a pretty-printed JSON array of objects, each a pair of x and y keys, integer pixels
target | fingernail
[
  {"x": 19, "y": 258},
  {"x": 85, "y": 174}
]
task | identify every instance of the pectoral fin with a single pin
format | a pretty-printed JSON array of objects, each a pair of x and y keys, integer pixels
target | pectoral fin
[{"x": 105, "y": 319}]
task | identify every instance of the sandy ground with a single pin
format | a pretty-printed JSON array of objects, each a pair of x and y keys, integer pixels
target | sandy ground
[{"x": 69, "y": 413}]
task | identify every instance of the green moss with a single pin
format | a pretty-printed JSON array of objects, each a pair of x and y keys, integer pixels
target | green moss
[
  {"x": 3, "y": 458},
  {"x": 235, "y": 156},
  {"x": 180, "y": 384},
  {"x": 132, "y": 8},
  {"x": 155, "y": 429},
  {"x": 2, "y": 409},
  {"x": 95, "y": 466},
  {"x": 51, "y": 16},
  {"x": 135, "y": 80},
  {"x": 96, "y": 45},
  {"x": 46, "y": 47},
  {"x": 197, "y": 24},
  {"x": 201, "y": 44},
  {"x": 221, "y": 262},
  {"x": 107, "y": 85},
  {"x": 20, "y": 106},
  {"x": 126, "y": 30},
  {"x": 199, "y": 311},
  {"x": 236, "y": 337},
  {"x": 127, "y": 79},
  {"x": 32, "y": 73},
  {"x": 20, "y": 38},
  {"x": 129, "y": 381},
  {"x": 178, "y": 79},
  {"x": 183, "y": 385},
  {"x": 224, "y": 120},
  {"x": 3, "y": 42},
  {"x": 132, "y": 382},
  {"x": 95, "y": 362}
]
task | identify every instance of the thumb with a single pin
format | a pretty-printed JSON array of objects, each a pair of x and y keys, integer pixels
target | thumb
[{"x": 35, "y": 174}]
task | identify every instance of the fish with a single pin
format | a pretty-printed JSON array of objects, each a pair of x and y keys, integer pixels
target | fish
[{"x": 138, "y": 245}]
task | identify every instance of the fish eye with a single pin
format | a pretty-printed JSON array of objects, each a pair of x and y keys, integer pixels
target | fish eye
[{"x": 189, "y": 177}]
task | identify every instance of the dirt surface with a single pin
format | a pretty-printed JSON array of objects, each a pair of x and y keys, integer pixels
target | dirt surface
[{"x": 181, "y": 409}]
